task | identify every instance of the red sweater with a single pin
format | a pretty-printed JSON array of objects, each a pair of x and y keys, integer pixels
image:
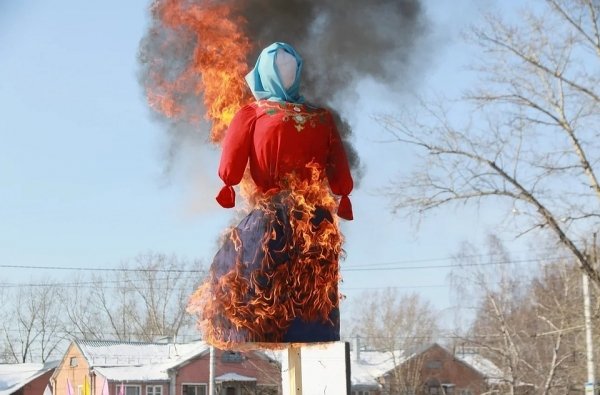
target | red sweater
[{"x": 281, "y": 138}]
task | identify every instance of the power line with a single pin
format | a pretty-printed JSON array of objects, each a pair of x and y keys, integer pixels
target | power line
[
  {"x": 349, "y": 268},
  {"x": 127, "y": 281},
  {"x": 92, "y": 269},
  {"x": 458, "y": 265},
  {"x": 395, "y": 287},
  {"x": 101, "y": 283},
  {"x": 448, "y": 258}
]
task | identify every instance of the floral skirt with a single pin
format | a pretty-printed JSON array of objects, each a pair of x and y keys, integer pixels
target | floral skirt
[{"x": 275, "y": 278}]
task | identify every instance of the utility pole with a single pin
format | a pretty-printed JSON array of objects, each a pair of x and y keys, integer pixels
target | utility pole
[{"x": 590, "y": 385}]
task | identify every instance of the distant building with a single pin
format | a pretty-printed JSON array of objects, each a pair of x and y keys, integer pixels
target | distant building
[
  {"x": 161, "y": 369},
  {"x": 432, "y": 370},
  {"x": 25, "y": 378}
]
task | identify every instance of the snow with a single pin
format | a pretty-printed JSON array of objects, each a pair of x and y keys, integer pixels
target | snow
[
  {"x": 112, "y": 353},
  {"x": 119, "y": 361},
  {"x": 15, "y": 376},
  {"x": 374, "y": 364},
  {"x": 233, "y": 377},
  {"x": 135, "y": 373},
  {"x": 492, "y": 373},
  {"x": 371, "y": 365}
]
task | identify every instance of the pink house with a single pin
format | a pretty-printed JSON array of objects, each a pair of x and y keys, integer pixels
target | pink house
[{"x": 125, "y": 368}]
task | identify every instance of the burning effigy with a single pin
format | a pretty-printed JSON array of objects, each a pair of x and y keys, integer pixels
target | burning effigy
[{"x": 275, "y": 279}]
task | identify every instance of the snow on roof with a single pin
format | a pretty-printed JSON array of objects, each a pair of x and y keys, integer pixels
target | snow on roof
[
  {"x": 114, "y": 353},
  {"x": 233, "y": 377},
  {"x": 373, "y": 364},
  {"x": 486, "y": 367},
  {"x": 16, "y": 375},
  {"x": 135, "y": 373},
  {"x": 132, "y": 361}
]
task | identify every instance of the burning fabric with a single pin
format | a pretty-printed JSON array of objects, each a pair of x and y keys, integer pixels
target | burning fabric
[{"x": 275, "y": 278}]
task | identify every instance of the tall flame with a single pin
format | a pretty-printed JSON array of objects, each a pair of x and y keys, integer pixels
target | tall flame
[
  {"x": 297, "y": 274},
  {"x": 216, "y": 67}
]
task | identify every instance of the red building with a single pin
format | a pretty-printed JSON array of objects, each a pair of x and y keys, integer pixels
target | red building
[
  {"x": 431, "y": 370},
  {"x": 25, "y": 378}
]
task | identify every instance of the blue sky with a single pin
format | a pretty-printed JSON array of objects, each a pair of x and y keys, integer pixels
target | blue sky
[{"x": 81, "y": 160}]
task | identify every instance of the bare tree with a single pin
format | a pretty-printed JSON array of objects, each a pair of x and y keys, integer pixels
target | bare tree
[
  {"x": 497, "y": 289},
  {"x": 33, "y": 330},
  {"x": 81, "y": 310},
  {"x": 116, "y": 306},
  {"x": 528, "y": 319},
  {"x": 531, "y": 137},
  {"x": 399, "y": 324},
  {"x": 142, "y": 301},
  {"x": 164, "y": 285},
  {"x": 557, "y": 350}
]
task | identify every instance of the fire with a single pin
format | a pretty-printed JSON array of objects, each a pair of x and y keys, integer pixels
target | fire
[
  {"x": 297, "y": 274},
  {"x": 216, "y": 68}
]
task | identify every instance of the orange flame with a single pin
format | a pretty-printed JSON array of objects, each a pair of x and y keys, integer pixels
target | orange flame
[
  {"x": 217, "y": 67},
  {"x": 237, "y": 307}
]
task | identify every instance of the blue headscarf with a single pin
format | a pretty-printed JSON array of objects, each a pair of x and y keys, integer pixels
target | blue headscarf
[{"x": 264, "y": 80}]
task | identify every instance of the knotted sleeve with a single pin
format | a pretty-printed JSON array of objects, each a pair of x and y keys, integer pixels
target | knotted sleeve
[
  {"x": 338, "y": 173},
  {"x": 236, "y": 150}
]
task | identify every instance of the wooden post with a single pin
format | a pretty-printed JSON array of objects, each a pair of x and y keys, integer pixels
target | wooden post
[{"x": 295, "y": 369}]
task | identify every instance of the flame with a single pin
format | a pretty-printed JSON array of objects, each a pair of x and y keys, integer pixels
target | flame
[
  {"x": 215, "y": 70},
  {"x": 298, "y": 274},
  {"x": 298, "y": 277}
]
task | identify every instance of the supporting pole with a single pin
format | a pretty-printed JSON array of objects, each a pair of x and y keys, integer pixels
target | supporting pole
[
  {"x": 590, "y": 386},
  {"x": 591, "y": 378},
  {"x": 295, "y": 369},
  {"x": 211, "y": 372}
]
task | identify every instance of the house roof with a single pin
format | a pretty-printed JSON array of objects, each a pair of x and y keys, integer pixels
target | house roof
[
  {"x": 114, "y": 353},
  {"x": 15, "y": 376},
  {"x": 134, "y": 362},
  {"x": 137, "y": 361},
  {"x": 372, "y": 365},
  {"x": 134, "y": 373},
  {"x": 487, "y": 368},
  {"x": 233, "y": 377}
]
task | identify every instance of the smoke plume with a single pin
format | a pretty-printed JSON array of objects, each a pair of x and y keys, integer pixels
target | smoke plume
[{"x": 341, "y": 41}]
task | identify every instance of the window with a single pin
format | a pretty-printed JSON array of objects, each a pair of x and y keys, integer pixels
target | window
[
  {"x": 435, "y": 364},
  {"x": 73, "y": 362},
  {"x": 194, "y": 389},
  {"x": 154, "y": 390},
  {"x": 448, "y": 389},
  {"x": 133, "y": 390},
  {"x": 232, "y": 356}
]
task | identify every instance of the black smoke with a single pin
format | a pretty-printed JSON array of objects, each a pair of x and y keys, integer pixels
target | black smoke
[{"x": 342, "y": 42}]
